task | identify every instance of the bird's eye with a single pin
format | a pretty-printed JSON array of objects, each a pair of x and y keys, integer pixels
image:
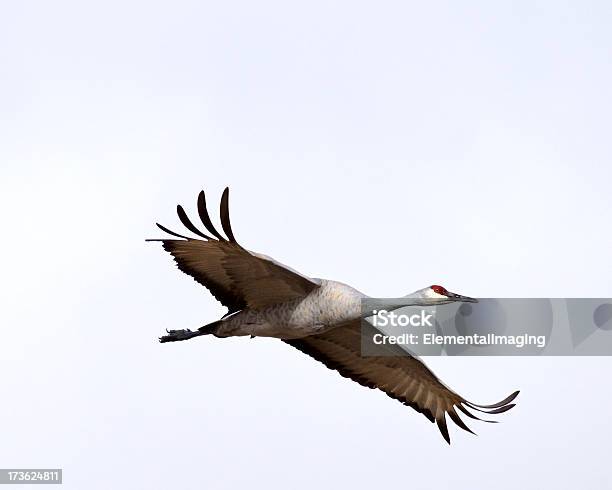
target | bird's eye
[{"x": 439, "y": 290}]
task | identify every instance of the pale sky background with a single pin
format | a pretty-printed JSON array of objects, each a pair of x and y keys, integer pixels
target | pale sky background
[{"x": 389, "y": 145}]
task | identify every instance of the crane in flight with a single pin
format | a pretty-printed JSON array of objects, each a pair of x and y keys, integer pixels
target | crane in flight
[{"x": 319, "y": 317}]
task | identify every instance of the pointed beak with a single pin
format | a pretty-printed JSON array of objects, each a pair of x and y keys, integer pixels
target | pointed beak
[{"x": 463, "y": 299}]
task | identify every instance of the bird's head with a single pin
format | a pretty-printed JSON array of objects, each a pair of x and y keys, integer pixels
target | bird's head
[{"x": 441, "y": 295}]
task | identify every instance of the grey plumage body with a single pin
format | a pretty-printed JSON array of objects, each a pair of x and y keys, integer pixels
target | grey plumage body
[{"x": 331, "y": 304}]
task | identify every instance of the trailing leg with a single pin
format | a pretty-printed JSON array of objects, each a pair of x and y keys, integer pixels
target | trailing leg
[
  {"x": 186, "y": 334},
  {"x": 177, "y": 335}
]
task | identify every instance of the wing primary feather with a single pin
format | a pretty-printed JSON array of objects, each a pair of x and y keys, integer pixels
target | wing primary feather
[
  {"x": 455, "y": 418},
  {"x": 498, "y": 404},
  {"x": 494, "y": 411},
  {"x": 443, "y": 428},
  {"x": 163, "y": 228},
  {"x": 472, "y": 416},
  {"x": 188, "y": 224},
  {"x": 205, "y": 217},
  {"x": 225, "y": 220},
  {"x": 500, "y": 409}
]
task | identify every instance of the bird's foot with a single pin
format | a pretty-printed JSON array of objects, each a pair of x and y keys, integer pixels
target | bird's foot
[{"x": 176, "y": 335}]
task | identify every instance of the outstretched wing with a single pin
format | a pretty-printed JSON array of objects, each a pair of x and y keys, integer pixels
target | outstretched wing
[
  {"x": 400, "y": 376},
  {"x": 236, "y": 277}
]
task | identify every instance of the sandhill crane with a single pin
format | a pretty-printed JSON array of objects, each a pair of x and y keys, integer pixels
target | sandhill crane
[{"x": 321, "y": 318}]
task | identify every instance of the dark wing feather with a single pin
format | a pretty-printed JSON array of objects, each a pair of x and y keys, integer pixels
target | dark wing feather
[
  {"x": 402, "y": 377},
  {"x": 236, "y": 277},
  {"x": 188, "y": 224},
  {"x": 225, "y": 220},
  {"x": 204, "y": 263},
  {"x": 203, "y": 212},
  {"x": 163, "y": 228}
]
